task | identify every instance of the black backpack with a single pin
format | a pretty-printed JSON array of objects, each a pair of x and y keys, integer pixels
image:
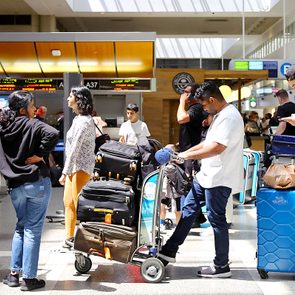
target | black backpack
[{"x": 178, "y": 179}]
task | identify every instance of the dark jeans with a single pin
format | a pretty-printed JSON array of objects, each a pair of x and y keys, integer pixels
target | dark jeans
[{"x": 216, "y": 200}]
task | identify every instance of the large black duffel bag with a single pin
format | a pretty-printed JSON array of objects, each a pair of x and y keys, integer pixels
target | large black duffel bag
[
  {"x": 117, "y": 160},
  {"x": 95, "y": 238},
  {"x": 107, "y": 200}
]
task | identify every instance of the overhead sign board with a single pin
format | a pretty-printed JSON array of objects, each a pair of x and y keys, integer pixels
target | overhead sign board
[
  {"x": 121, "y": 84},
  {"x": 277, "y": 68}
]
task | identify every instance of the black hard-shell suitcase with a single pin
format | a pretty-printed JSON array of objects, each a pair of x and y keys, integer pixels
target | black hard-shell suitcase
[
  {"x": 116, "y": 160},
  {"x": 110, "y": 200},
  {"x": 111, "y": 241}
]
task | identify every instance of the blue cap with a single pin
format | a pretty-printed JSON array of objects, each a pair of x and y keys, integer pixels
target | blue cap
[{"x": 163, "y": 155}]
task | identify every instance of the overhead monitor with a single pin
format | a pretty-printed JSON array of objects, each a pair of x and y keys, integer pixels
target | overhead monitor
[
  {"x": 255, "y": 65},
  {"x": 241, "y": 65},
  {"x": 272, "y": 67},
  {"x": 46, "y": 84}
]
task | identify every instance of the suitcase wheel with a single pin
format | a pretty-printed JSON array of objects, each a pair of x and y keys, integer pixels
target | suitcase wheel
[
  {"x": 132, "y": 166},
  {"x": 96, "y": 176},
  {"x": 83, "y": 264},
  {"x": 168, "y": 223},
  {"x": 98, "y": 159},
  {"x": 152, "y": 270},
  {"x": 263, "y": 274}
]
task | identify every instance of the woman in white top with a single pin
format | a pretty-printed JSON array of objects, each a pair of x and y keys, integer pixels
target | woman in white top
[{"x": 80, "y": 157}]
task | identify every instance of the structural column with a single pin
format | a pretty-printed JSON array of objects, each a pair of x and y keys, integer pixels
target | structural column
[{"x": 70, "y": 80}]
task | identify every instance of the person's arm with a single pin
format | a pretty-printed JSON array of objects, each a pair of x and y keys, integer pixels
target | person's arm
[
  {"x": 290, "y": 120},
  {"x": 122, "y": 139},
  {"x": 202, "y": 151},
  {"x": 49, "y": 137},
  {"x": 34, "y": 159},
  {"x": 121, "y": 133},
  {"x": 182, "y": 115},
  {"x": 145, "y": 130},
  {"x": 281, "y": 128},
  {"x": 193, "y": 149}
]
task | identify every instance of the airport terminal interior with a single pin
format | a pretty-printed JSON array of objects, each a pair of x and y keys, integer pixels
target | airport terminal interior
[{"x": 147, "y": 52}]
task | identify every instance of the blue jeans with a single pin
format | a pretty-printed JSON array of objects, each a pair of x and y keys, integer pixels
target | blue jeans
[
  {"x": 30, "y": 202},
  {"x": 216, "y": 200}
]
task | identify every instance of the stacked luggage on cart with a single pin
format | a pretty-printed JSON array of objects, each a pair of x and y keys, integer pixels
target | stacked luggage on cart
[
  {"x": 276, "y": 215},
  {"x": 108, "y": 203},
  {"x": 109, "y": 208}
]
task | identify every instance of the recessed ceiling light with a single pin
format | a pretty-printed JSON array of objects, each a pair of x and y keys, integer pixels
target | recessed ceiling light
[{"x": 56, "y": 52}]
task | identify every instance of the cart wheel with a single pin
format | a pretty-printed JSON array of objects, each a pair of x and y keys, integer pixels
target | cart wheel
[
  {"x": 83, "y": 264},
  {"x": 168, "y": 223},
  {"x": 263, "y": 274},
  {"x": 152, "y": 270}
]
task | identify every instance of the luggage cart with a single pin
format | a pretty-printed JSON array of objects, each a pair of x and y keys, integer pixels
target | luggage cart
[{"x": 148, "y": 241}]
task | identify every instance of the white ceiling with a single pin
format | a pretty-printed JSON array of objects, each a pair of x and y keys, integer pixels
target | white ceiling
[{"x": 173, "y": 18}]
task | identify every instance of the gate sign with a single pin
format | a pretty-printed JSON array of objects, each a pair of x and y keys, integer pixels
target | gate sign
[{"x": 284, "y": 68}]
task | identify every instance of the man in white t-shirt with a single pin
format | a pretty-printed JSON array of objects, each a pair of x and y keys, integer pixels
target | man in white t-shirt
[
  {"x": 133, "y": 130},
  {"x": 221, "y": 173}
]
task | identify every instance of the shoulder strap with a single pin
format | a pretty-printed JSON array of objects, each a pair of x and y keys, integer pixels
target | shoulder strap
[{"x": 97, "y": 128}]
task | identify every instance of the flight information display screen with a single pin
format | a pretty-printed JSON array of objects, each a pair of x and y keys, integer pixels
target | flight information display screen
[
  {"x": 123, "y": 84},
  {"x": 12, "y": 84},
  {"x": 271, "y": 66}
]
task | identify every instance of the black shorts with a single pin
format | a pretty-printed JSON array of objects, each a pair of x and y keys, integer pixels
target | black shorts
[{"x": 167, "y": 202}]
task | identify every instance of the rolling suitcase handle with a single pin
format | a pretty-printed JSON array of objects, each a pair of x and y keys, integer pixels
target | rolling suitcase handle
[{"x": 108, "y": 214}]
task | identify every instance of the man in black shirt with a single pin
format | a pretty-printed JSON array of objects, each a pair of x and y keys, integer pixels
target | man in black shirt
[
  {"x": 190, "y": 115},
  {"x": 285, "y": 109}
]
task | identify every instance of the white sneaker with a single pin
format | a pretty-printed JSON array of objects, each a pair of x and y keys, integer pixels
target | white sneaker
[{"x": 162, "y": 229}]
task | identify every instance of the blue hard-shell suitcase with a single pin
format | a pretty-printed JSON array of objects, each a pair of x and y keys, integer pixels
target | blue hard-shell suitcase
[
  {"x": 276, "y": 231},
  {"x": 283, "y": 145}
]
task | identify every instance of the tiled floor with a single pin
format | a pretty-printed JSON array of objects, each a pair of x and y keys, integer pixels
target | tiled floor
[{"x": 106, "y": 277}]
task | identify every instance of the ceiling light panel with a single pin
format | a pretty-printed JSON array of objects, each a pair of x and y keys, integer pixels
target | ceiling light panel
[
  {"x": 19, "y": 57},
  {"x": 50, "y": 64},
  {"x": 96, "y": 59},
  {"x": 135, "y": 59}
]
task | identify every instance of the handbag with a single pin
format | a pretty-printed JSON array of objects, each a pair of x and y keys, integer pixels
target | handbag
[
  {"x": 100, "y": 140},
  {"x": 280, "y": 176}
]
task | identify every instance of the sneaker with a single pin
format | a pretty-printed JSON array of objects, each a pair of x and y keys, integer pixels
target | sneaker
[
  {"x": 166, "y": 257},
  {"x": 69, "y": 243},
  {"x": 162, "y": 229},
  {"x": 215, "y": 272},
  {"x": 32, "y": 284},
  {"x": 11, "y": 280}
]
